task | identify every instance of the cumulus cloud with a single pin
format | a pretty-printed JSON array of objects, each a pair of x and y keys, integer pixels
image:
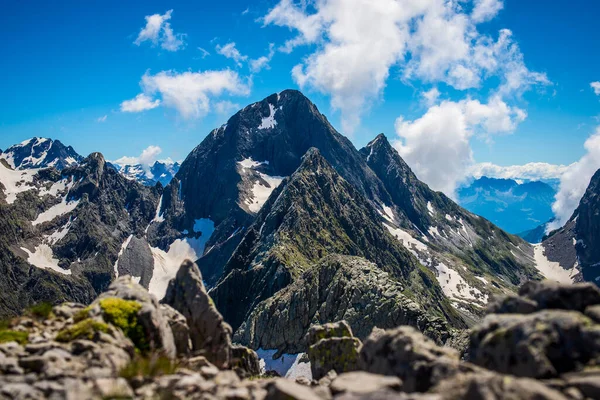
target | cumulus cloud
[
  {"x": 190, "y": 93},
  {"x": 437, "y": 145},
  {"x": 258, "y": 64},
  {"x": 359, "y": 41},
  {"x": 159, "y": 32},
  {"x": 596, "y": 87},
  {"x": 485, "y": 10},
  {"x": 531, "y": 171},
  {"x": 230, "y": 51},
  {"x": 431, "y": 96},
  {"x": 139, "y": 103},
  {"x": 575, "y": 181},
  {"x": 147, "y": 158}
]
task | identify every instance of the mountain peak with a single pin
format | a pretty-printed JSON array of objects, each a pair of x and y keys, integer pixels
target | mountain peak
[{"x": 39, "y": 152}]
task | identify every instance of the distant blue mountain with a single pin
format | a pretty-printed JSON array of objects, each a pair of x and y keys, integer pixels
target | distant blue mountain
[{"x": 516, "y": 207}]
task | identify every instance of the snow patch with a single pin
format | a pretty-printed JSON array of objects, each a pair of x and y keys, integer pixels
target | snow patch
[
  {"x": 282, "y": 365},
  {"x": 269, "y": 122},
  {"x": 60, "y": 233},
  {"x": 430, "y": 208},
  {"x": 57, "y": 210},
  {"x": 249, "y": 163},
  {"x": 455, "y": 287},
  {"x": 15, "y": 182},
  {"x": 551, "y": 270},
  {"x": 43, "y": 258},
  {"x": 261, "y": 192},
  {"x": 167, "y": 263},
  {"x": 387, "y": 213},
  {"x": 407, "y": 240}
]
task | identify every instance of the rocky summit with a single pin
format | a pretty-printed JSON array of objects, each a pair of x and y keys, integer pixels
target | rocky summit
[{"x": 542, "y": 344}]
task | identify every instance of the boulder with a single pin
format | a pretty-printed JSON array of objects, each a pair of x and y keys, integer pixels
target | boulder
[
  {"x": 209, "y": 333},
  {"x": 364, "y": 382},
  {"x": 553, "y": 295},
  {"x": 512, "y": 304},
  {"x": 406, "y": 353},
  {"x": 332, "y": 347},
  {"x": 539, "y": 345},
  {"x": 127, "y": 305},
  {"x": 245, "y": 361},
  {"x": 490, "y": 386},
  {"x": 283, "y": 389}
]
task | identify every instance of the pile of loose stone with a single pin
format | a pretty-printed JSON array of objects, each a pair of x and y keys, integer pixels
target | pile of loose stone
[{"x": 543, "y": 343}]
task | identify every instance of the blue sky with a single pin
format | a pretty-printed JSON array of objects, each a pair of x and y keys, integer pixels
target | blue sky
[{"x": 68, "y": 66}]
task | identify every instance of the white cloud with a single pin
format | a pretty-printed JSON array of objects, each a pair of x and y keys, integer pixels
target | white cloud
[
  {"x": 486, "y": 10},
  {"x": 191, "y": 93},
  {"x": 531, "y": 171},
  {"x": 102, "y": 119},
  {"x": 147, "y": 158},
  {"x": 139, "y": 103},
  {"x": 359, "y": 41},
  {"x": 595, "y": 87},
  {"x": 258, "y": 64},
  {"x": 230, "y": 51},
  {"x": 204, "y": 52},
  {"x": 159, "y": 31},
  {"x": 575, "y": 181},
  {"x": 431, "y": 96},
  {"x": 437, "y": 145}
]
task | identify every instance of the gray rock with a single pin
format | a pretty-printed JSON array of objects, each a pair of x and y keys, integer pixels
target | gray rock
[
  {"x": 364, "y": 382},
  {"x": 327, "y": 331},
  {"x": 406, "y": 353},
  {"x": 136, "y": 260},
  {"x": 283, "y": 389},
  {"x": 512, "y": 304},
  {"x": 490, "y": 386},
  {"x": 156, "y": 326},
  {"x": 20, "y": 391},
  {"x": 588, "y": 383},
  {"x": 387, "y": 395},
  {"x": 593, "y": 312},
  {"x": 210, "y": 334},
  {"x": 539, "y": 345},
  {"x": 113, "y": 388},
  {"x": 180, "y": 329},
  {"x": 337, "y": 353},
  {"x": 245, "y": 361},
  {"x": 553, "y": 295}
]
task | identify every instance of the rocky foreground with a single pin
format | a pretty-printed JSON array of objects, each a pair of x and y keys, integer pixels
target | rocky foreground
[{"x": 542, "y": 344}]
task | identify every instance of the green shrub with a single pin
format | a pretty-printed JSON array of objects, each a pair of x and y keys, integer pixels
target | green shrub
[
  {"x": 40, "y": 310},
  {"x": 123, "y": 314},
  {"x": 148, "y": 367},
  {"x": 85, "y": 329},
  {"x": 7, "y": 335}
]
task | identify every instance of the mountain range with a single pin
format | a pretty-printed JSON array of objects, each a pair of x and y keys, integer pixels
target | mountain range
[
  {"x": 289, "y": 223},
  {"x": 516, "y": 207}
]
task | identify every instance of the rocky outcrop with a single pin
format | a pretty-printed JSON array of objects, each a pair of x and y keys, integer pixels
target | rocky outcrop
[
  {"x": 332, "y": 347},
  {"x": 336, "y": 288},
  {"x": 406, "y": 353},
  {"x": 210, "y": 334},
  {"x": 76, "y": 352},
  {"x": 128, "y": 304}
]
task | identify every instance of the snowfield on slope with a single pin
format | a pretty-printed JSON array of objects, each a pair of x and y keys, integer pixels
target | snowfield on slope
[{"x": 552, "y": 270}]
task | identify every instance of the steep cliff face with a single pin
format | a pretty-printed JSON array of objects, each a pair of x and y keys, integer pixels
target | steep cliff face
[{"x": 573, "y": 249}]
